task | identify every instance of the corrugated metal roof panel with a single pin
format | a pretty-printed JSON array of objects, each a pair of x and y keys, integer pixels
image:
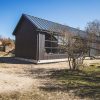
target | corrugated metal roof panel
[{"x": 52, "y": 26}]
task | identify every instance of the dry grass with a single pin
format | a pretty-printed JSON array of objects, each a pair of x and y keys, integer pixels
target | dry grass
[{"x": 24, "y": 81}]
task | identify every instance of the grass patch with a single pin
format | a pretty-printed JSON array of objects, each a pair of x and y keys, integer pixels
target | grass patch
[{"x": 84, "y": 83}]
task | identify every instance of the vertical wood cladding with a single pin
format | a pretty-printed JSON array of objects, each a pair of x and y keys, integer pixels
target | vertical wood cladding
[
  {"x": 26, "y": 40},
  {"x": 40, "y": 39},
  {"x": 41, "y": 46}
]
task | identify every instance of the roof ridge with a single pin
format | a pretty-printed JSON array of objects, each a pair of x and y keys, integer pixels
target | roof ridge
[
  {"x": 46, "y": 20},
  {"x": 53, "y": 22},
  {"x": 51, "y": 25}
]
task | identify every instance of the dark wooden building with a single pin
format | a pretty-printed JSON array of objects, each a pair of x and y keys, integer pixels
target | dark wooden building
[{"x": 39, "y": 40}]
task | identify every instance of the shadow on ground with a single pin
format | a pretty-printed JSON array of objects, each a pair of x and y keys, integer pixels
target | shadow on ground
[
  {"x": 78, "y": 82},
  {"x": 13, "y": 60},
  {"x": 81, "y": 83}
]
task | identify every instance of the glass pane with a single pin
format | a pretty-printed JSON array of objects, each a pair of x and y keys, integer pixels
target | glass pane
[
  {"x": 54, "y": 37},
  {"x": 47, "y": 44},
  {"x": 47, "y": 37},
  {"x": 48, "y": 50},
  {"x": 54, "y": 44},
  {"x": 55, "y": 51}
]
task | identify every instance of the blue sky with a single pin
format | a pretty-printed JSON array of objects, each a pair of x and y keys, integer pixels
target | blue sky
[{"x": 75, "y": 13}]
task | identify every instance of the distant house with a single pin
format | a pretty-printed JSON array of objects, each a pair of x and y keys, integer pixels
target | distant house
[
  {"x": 95, "y": 46},
  {"x": 39, "y": 40}
]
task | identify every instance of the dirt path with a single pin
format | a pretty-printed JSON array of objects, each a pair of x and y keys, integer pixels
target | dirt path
[
  {"x": 20, "y": 74},
  {"x": 15, "y": 77},
  {"x": 12, "y": 82}
]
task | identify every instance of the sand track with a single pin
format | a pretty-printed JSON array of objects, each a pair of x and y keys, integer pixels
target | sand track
[{"x": 12, "y": 82}]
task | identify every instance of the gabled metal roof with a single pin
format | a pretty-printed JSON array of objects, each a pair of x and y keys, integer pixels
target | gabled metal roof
[{"x": 43, "y": 24}]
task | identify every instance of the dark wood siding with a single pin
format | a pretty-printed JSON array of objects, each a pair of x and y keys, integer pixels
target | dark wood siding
[
  {"x": 26, "y": 40},
  {"x": 45, "y": 56},
  {"x": 30, "y": 43}
]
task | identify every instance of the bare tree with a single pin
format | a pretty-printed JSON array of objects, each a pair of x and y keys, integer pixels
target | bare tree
[
  {"x": 93, "y": 30},
  {"x": 76, "y": 48},
  {"x": 76, "y": 51},
  {"x": 93, "y": 27}
]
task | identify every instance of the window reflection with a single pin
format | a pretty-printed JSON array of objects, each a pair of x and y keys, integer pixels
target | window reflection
[{"x": 54, "y": 44}]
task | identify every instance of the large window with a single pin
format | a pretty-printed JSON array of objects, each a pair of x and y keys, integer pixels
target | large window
[{"x": 54, "y": 44}]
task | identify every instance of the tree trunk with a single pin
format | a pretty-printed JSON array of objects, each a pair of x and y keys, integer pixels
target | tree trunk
[
  {"x": 69, "y": 60},
  {"x": 74, "y": 63}
]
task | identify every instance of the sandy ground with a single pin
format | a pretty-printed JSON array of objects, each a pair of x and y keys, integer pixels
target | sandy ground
[
  {"x": 17, "y": 77},
  {"x": 88, "y": 62},
  {"x": 14, "y": 83},
  {"x": 21, "y": 77}
]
